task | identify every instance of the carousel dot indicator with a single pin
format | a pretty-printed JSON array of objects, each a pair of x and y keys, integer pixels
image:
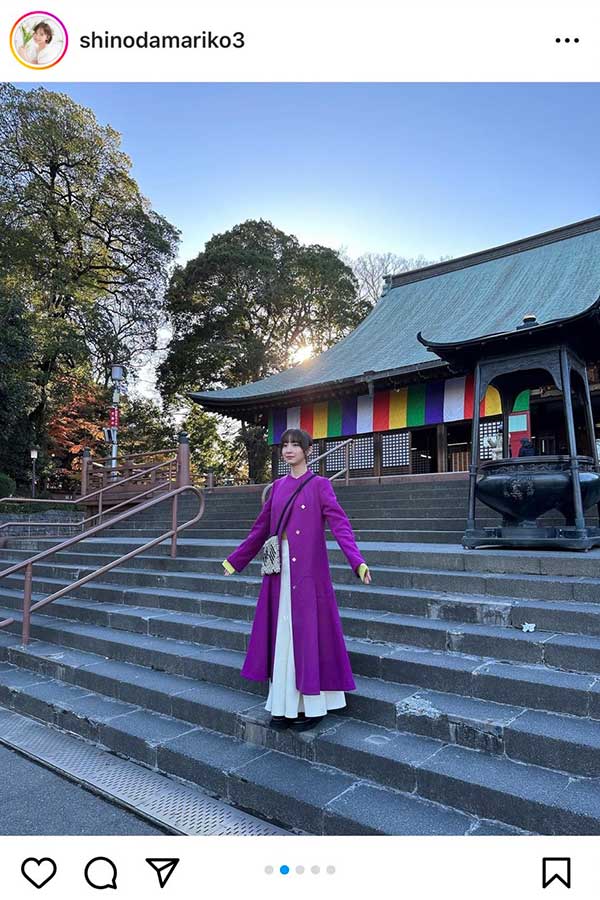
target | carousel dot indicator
[
  {"x": 268, "y": 870},
  {"x": 315, "y": 870},
  {"x": 284, "y": 870},
  {"x": 331, "y": 870},
  {"x": 299, "y": 870}
]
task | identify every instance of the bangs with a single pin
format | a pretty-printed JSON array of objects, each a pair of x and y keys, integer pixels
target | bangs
[{"x": 297, "y": 435}]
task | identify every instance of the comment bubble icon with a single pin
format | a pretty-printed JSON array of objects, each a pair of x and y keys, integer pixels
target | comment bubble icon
[{"x": 101, "y": 873}]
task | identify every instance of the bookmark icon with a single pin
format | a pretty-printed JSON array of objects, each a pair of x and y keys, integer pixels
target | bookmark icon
[
  {"x": 556, "y": 868},
  {"x": 164, "y": 868}
]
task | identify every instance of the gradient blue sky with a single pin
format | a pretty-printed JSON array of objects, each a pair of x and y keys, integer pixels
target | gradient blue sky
[{"x": 440, "y": 169}]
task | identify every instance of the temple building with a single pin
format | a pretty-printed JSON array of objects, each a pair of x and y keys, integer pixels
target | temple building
[{"x": 410, "y": 411}]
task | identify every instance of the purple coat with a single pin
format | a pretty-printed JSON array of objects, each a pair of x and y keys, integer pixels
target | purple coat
[{"x": 320, "y": 655}]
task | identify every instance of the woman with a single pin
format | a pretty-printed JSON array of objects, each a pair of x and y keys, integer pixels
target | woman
[
  {"x": 297, "y": 640},
  {"x": 36, "y": 51}
]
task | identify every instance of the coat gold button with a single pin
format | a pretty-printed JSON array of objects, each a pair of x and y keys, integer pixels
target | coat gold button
[
  {"x": 297, "y": 531},
  {"x": 293, "y": 559},
  {"x": 303, "y": 506}
]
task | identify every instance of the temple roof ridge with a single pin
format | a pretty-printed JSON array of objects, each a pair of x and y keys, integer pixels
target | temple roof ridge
[{"x": 554, "y": 275}]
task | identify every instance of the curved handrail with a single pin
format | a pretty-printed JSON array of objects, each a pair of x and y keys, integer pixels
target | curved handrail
[
  {"x": 80, "y": 500},
  {"x": 28, "y": 563},
  {"x": 81, "y": 522},
  {"x": 346, "y": 468},
  {"x": 108, "y": 459}
]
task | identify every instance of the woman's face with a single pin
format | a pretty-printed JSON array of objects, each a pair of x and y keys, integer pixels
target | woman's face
[
  {"x": 40, "y": 37},
  {"x": 292, "y": 452}
]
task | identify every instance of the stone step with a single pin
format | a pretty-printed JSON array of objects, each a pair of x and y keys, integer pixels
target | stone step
[
  {"x": 563, "y": 616},
  {"x": 387, "y": 507},
  {"x": 443, "y": 557},
  {"x": 584, "y": 588},
  {"x": 317, "y": 771},
  {"x": 370, "y": 522},
  {"x": 533, "y": 686},
  {"x": 288, "y": 788},
  {"x": 566, "y": 743},
  {"x": 498, "y": 642},
  {"x": 238, "y": 534},
  {"x": 196, "y": 575},
  {"x": 569, "y": 617}
]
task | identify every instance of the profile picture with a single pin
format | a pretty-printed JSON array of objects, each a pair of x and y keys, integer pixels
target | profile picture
[{"x": 39, "y": 40}]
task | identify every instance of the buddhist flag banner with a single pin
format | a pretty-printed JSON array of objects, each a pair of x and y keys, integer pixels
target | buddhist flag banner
[{"x": 428, "y": 403}]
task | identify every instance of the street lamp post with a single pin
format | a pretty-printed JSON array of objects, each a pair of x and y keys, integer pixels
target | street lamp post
[
  {"x": 34, "y": 455},
  {"x": 117, "y": 378}
]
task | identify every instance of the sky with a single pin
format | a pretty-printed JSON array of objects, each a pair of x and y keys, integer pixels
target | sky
[{"x": 431, "y": 169}]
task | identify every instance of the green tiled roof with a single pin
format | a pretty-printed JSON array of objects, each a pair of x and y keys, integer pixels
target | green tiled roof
[{"x": 554, "y": 275}]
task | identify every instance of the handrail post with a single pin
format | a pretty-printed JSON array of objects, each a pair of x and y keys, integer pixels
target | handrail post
[
  {"x": 27, "y": 603},
  {"x": 174, "y": 526},
  {"x": 347, "y": 451},
  {"x": 183, "y": 460},
  {"x": 100, "y": 509},
  {"x": 85, "y": 468}
]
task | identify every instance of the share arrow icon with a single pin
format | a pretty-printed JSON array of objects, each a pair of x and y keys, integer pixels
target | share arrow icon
[{"x": 164, "y": 868}]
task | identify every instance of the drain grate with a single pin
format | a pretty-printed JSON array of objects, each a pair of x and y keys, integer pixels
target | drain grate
[{"x": 183, "y": 809}]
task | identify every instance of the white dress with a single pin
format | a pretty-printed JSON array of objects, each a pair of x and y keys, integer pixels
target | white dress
[{"x": 284, "y": 698}]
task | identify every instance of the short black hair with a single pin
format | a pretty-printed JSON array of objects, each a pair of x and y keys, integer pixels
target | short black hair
[
  {"x": 43, "y": 26},
  {"x": 298, "y": 436}
]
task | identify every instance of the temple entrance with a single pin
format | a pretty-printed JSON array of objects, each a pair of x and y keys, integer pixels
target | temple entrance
[
  {"x": 459, "y": 446},
  {"x": 423, "y": 451}
]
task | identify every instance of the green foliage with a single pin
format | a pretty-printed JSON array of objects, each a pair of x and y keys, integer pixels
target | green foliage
[
  {"x": 80, "y": 248},
  {"x": 213, "y": 451},
  {"x": 17, "y": 391},
  {"x": 242, "y": 308},
  {"x": 144, "y": 426},
  {"x": 7, "y": 485}
]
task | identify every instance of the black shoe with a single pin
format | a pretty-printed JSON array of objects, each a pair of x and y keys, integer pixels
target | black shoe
[
  {"x": 279, "y": 722},
  {"x": 305, "y": 723}
]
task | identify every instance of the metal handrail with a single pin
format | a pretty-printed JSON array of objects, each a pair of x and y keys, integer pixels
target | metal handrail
[
  {"x": 346, "y": 468},
  {"x": 108, "y": 459},
  {"x": 158, "y": 487},
  {"x": 80, "y": 500},
  {"x": 27, "y": 564}
]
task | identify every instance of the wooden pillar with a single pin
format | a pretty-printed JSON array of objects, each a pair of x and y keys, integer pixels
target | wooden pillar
[
  {"x": 474, "y": 449},
  {"x": 377, "y": 449},
  {"x": 507, "y": 398},
  {"x": 274, "y": 463},
  {"x": 85, "y": 471},
  {"x": 565, "y": 371},
  {"x": 442, "y": 448},
  {"x": 183, "y": 460},
  {"x": 589, "y": 418}
]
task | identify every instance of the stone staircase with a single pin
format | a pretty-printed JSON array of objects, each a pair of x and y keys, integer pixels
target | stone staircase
[{"x": 462, "y": 723}]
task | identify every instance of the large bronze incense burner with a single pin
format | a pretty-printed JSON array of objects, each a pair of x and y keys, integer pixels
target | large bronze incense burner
[{"x": 525, "y": 489}]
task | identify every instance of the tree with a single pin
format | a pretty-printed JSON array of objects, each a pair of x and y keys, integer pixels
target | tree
[
  {"x": 88, "y": 250},
  {"x": 77, "y": 408},
  {"x": 370, "y": 271},
  {"x": 242, "y": 308},
  {"x": 245, "y": 305},
  {"x": 145, "y": 426},
  {"x": 16, "y": 387},
  {"x": 211, "y": 450}
]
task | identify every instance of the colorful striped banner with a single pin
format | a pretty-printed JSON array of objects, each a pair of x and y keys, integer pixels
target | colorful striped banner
[{"x": 427, "y": 403}]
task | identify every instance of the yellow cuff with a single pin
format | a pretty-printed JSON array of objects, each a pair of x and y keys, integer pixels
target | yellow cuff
[
  {"x": 227, "y": 565},
  {"x": 362, "y": 570}
]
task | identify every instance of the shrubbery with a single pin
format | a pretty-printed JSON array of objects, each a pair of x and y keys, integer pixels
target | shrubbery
[{"x": 7, "y": 485}]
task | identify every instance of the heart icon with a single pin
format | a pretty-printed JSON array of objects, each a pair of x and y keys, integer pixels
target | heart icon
[{"x": 38, "y": 871}]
